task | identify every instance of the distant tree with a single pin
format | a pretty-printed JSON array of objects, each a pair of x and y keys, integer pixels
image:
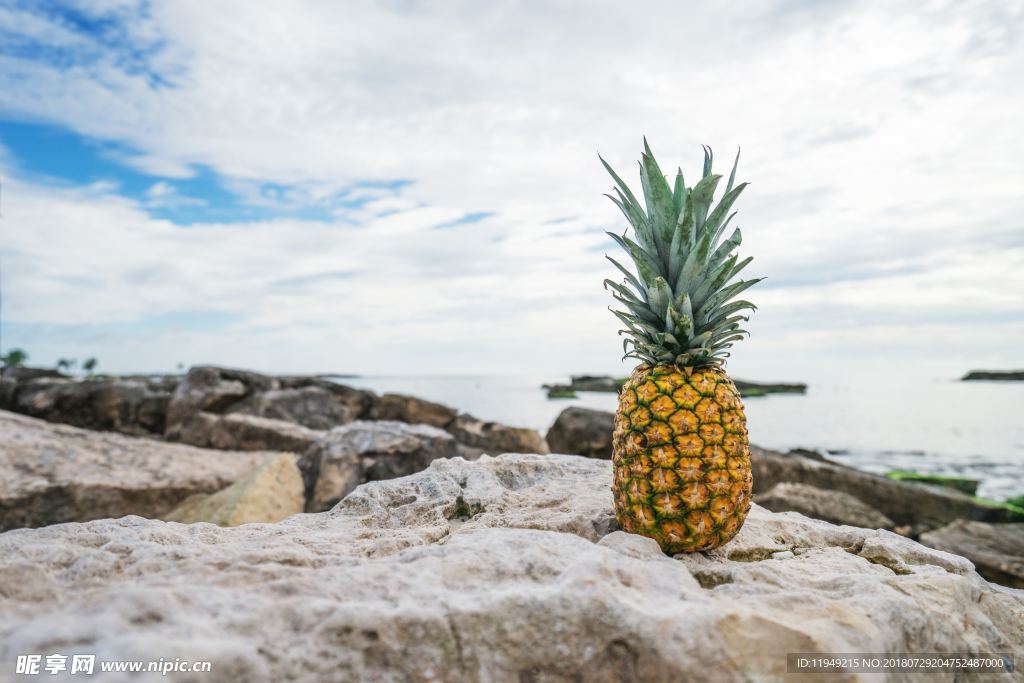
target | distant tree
[
  {"x": 14, "y": 358},
  {"x": 90, "y": 364},
  {"x": 64, "y": 364}
]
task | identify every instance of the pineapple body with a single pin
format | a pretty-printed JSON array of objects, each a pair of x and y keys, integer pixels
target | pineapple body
[{"x": 681, "y": 458}]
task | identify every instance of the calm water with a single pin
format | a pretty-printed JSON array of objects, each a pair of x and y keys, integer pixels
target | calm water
[{"x": 971, "y": 429}]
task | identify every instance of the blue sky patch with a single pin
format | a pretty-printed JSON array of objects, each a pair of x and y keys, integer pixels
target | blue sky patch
[
  {"x": 474, "y": 217},
  {"x": 48, "y": 153}
]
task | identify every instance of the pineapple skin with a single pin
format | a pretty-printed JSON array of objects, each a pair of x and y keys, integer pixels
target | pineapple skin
[{"x": 681, "y": 458}]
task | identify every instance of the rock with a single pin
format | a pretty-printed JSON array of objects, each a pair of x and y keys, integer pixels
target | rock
[
  {"x": 831, "y": 506},
  {"x": 503, "y": 569},
  {"x": 999, "y": 375},
  {"x": 270, "y": 493},
  {"x": 917, "y": 506},
  {"x": 56, "y": 473},
  {"x": 997, "y": 550},
  {"x": 367, "y": 451},
  {"x": 807, "y": 453},
  {"x": 306, "y": 401},
  {"x": 602, "y": 383},
  {"x": 582, "y": 431},
  {"x": 402, "y": 408},
  {"x": 24, "y": 374},
  {"x": 961, "y": 484},
  {"x": 495, "y": 438},
  {"x": 761, "y": 388},
  {"x": 247, "y": 433},
  {"x": 132, "y": 405},
  {"x": 309, "y": 406}
]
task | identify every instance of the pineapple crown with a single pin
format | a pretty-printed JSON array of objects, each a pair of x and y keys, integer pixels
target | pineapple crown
[{"x": 679, "y": 304}]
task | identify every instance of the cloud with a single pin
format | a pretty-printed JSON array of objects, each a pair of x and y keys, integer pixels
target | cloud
[{"x": 881, "y": 141}]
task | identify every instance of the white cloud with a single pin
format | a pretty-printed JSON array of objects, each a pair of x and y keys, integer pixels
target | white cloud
[{"x": 881, "y": 139}]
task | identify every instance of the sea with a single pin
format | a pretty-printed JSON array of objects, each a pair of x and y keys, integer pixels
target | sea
[{"x": 877, "y": 424}]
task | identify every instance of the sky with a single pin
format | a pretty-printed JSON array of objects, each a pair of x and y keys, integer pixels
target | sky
[{"x": 401, "y": 187}]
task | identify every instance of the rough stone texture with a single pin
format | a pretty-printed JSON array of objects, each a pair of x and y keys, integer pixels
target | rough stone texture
[
  {"x": 130, "y": 405},
  {"x": 494, "y": 438},
  {"x": 997, "y": 550},
  {"x": 312, "y": 407},
  {"x": 367, "y": 451},
  {"x": 582, "y": 431},
  {"x": 309, "y": 402},
  {"x": 503, "y": 570},
  {"x": 402, "y": 408},
  {"x": 916, "y": 506},
  {"x": 270, "y": 493},
  {"x": 53, "y": 473},
  {"x": 247, "y": 433},
  {"x": 831, "y": 506}
]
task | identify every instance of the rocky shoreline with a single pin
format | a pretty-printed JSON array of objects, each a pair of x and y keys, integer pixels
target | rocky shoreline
[
  {"x": 214, "y": 428},
  {"x": 300, "y": 501}
]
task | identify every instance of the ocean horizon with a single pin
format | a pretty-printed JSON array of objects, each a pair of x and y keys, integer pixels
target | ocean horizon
[{"x": 876, "y": 424}]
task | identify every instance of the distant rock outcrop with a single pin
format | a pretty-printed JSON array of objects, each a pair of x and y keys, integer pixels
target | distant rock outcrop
[{"x": 998, "y": 375}]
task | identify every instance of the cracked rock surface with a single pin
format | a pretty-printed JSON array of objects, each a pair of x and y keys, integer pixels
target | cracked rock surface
[
  {"x": 52, "y": 473},
  {"x": 500, "y": 569}
]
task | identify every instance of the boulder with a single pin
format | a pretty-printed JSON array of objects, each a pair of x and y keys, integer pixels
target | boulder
[
  {"x": 366, "y": 451},
  {"x": 503, "y": 569},
  {"x": 310, "y": 406},
  {"x": 831, "y": 506},
  {"x": 52, "y": 473},
  {"x": 246, "y": 433},
  {"x": 582, "y": 431},
  {"x": 130, "y": 405},
  {"x": 918, "y": 507},
  {"x": 997, "y": 550},
  {"x": 493, "y": 438},
  {"x": 271, "y": 492},
  {"x": 402, "y": 408},
  {"x": 306, "y": 401}
]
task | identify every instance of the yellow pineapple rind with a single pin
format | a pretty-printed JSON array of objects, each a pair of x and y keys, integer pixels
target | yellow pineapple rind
[{"x": 681, "y": 458}]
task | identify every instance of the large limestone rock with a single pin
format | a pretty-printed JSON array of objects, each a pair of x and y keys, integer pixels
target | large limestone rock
[
  {"x": 492, "y": 437},
  {"x": 312, "y": 407},
  {"x": 130, "y": 405},
  {"x": 52, "y": 473},
  {"x": 582, "y": 431},
  {"x": 505, "y": 569},
  {"x": 832, "y": 506},
  {"x": 367, "y": 451},
  {"x": 247, "y": 433},
  {"x": 997, "y": 550},
  {"x": 270, "y": 493},
  {"x": 402, "y": 408},
  {"x": 309, "y": 402}
]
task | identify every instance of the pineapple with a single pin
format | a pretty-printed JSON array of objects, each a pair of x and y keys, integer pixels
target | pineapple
[{"x": 681, "y": 457}]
